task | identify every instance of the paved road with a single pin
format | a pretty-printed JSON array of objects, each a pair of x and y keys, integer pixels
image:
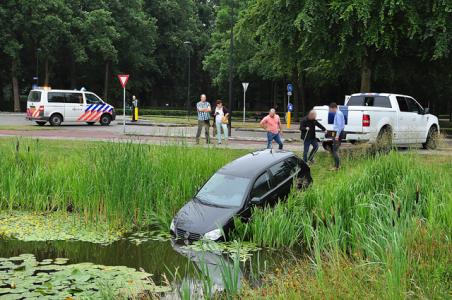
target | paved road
[{"x": 17, "y": 125}]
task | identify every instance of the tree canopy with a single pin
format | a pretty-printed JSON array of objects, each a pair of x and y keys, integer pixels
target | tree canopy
[{"x": 325, "y": 48}]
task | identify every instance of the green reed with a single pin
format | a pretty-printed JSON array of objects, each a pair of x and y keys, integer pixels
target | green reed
[{"x": 123, "y": 183}]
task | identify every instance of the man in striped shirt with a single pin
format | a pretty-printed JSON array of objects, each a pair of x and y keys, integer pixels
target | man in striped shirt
[{"x": 204, "y": 109}]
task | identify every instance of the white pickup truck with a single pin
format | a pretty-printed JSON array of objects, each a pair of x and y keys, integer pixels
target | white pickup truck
[{"x": 370, "y": 117}]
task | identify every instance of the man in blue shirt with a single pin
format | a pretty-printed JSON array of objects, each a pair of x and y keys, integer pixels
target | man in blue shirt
[
  {"x": 338, "y": 127},
  {"x": 204, "y": 109}
]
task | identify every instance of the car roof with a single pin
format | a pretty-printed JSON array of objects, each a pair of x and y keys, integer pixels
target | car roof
[
  {"x": 254, "y": 163},
  {"x": 60, "y": 91}
]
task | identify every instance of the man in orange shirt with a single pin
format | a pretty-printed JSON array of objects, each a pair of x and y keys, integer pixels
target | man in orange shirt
[{"x": 272, "y": 125}]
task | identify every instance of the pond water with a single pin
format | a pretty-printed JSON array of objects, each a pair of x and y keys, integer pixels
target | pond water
[{"x": 158, "y": 258}]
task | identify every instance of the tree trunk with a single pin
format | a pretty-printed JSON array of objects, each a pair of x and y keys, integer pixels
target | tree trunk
[
  {"x": 275, "y": 93},
  {"x": 15, "y": 83},
  {"x": 299, "y": 97},
  {"x": 366, "y": 74},
  {"x": 47, "y": 73},
  {"x": 107, "y": 77}
]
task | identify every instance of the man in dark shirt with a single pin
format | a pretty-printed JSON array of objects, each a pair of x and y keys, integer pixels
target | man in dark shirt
[{"x": 307, "y": 127}]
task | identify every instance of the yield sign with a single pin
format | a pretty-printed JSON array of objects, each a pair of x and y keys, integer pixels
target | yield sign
[
  {"x": 123, "y": 79},
  {"x": 245, "y": 85}
]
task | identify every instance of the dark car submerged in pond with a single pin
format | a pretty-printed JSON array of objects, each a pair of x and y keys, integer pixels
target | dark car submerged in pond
[{"x": 259, "y": 178}]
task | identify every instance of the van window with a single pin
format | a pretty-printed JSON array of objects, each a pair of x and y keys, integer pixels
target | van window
[
  {"x": 34, "y": 96},
  {"x": 281, "y": 171},
  {"x": 375, "y": 101},
  {"x": 92, "y": 99},
  {"x": 55, "y": 97},
  {"x": 403, "y": 106},
  {"x": 74, "y": 98},
  {"x": 261, "y": 186}
]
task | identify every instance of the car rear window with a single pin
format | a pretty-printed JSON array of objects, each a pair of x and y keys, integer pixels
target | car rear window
[
  {"x": 374, "y": 101},
  {"x": 34, "y": 96}
]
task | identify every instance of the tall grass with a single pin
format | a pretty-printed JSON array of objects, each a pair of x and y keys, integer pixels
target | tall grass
[
  {"x": 364, "y": 213},
  {"x": 124, "y": 183}
]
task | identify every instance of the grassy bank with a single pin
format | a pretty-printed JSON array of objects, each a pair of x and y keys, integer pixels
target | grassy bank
[
  {"x": 125, "y": 184},
  {"x": 378, "y": 230}
]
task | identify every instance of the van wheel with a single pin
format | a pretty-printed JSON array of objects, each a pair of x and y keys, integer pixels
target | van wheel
[
  {"x": 105, "y": 120},
  {"x": 90, "y": 123},
  {"x": 41, "y": 123},
  {"x": 432, "y": 139},
  {"x": 56, "y": 120}
]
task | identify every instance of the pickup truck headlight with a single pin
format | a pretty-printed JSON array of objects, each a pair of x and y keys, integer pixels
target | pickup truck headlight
[
  {"x": 213, "y": 235},
  {"x": 172, "y": 226}
]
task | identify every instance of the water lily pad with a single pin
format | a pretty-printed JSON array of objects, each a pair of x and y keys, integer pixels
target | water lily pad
[
  {"x": 67, "y": 281},
  {"x": 55, "y": 226}
]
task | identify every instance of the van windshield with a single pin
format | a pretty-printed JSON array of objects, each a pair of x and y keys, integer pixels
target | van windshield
[
  {"x": 224, "y": 190},
  {"x": 34, "y": 96}
]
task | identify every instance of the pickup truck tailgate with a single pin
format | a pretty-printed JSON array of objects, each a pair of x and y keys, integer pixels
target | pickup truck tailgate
[{"x": 353, "y": 118}]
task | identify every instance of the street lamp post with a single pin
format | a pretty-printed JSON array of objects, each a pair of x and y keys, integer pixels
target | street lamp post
[
  {"x": 188, "y": 43},
  {"x": 37, "y": 66}
]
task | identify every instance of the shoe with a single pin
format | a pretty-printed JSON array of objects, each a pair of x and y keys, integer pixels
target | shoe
[
  {"x": 334, "y": 169},
  {"x": 311, "y": 162}
]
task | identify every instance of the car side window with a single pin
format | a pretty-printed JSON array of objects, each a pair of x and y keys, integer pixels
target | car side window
[
  {"x": 261, "y": 186},
  {"x": 56, "y": 97},
  {"x": 281, "y": 171},
  {"x": 92, "y": 99},
  {"x": 413, "y": 106},
  {"x": 74, "y": 98},
  {"x": 403, "y": 105},
  {"x": 293, "y": 163}
]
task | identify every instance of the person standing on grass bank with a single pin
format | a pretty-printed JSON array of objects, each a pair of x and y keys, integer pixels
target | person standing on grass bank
[
  {"x": 221, "y": 121},
  {"x": 307, "y": 128},
  {"x": 338, "y": 127},
  {"x": 204, "y": 109},
  {"x": 272, "y": 124}
]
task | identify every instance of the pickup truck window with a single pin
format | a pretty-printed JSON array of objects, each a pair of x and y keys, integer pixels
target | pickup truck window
[
  {"x": 403, "y": 105},
  {"x": 414, "y": 106},
  {"x": 375, "y": 101}
]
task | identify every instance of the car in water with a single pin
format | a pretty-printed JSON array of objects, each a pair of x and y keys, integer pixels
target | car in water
[
  {"x": 257, "y": 179},
  {"x": 58, "y": 106}
]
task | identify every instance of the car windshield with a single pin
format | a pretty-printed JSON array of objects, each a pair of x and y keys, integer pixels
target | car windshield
[{"x": 223, "y": 190}]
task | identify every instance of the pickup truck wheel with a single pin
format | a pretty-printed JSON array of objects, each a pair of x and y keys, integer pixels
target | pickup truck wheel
[
  {"x": 432, "y": 139},
  {"x": 383, "y": 144}
]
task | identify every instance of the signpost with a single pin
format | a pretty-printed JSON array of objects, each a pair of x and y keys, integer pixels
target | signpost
[
  {"x": 245, "y": 87},
  {"x": 289, "y": 105},
  {"x": 124, "y": 79}
]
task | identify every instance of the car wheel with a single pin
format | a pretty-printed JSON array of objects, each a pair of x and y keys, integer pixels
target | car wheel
[
  {"x": 90, "y": 123},
  {"x": 41, "y": 123},
  {"x": 383, "y": 144},
  {"x": 56, "y": 120},
  {"x": 432, "y": 139},
  {"x": 105, "y": 120}
]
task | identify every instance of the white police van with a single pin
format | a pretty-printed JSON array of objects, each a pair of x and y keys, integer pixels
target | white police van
[{"x": 57, "y": 106}]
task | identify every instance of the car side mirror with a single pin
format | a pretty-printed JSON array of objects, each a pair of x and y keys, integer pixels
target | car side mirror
[
  {"x": 256, "y": 200},
  {"x": 426, "y": 110}
]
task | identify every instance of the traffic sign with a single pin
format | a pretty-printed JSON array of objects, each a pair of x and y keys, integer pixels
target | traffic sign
[
  {"x": 245, "y": 85},
  {"x": 290, "y": 88},
  {"x": 123, "y": 79},
  {"x": 290, "y": 107},
  {"x": 289, "y": 93}
]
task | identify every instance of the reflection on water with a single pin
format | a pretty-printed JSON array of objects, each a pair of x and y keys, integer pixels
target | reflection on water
[{"x": 155, "y": 257}]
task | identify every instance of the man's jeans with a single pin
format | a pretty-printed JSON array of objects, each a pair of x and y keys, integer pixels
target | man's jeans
[
  {"x": 272, "y": 136},
  {"x": 334, "y": 152},
  {"x": 307, "y": 145},
  {"x": 206, "y": 125}
]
